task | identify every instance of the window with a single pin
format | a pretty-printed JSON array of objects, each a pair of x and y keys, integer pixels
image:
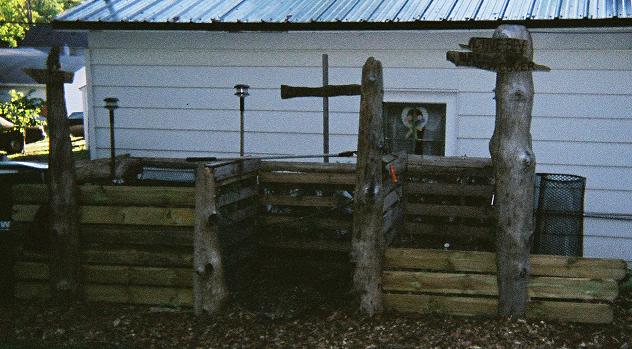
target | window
[{"x": 418, "y": 128}]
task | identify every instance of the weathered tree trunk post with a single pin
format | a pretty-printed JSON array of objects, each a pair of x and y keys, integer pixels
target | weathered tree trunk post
[
  {"x": 514, "y": 170},
  {"x": 209, "y": 287},
  {"x": 509, "y": 53},
  {"x": 368, "y": 236},
  {"x": 64, "y": 212}
]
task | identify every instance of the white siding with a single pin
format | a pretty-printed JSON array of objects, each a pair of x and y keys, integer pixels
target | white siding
[{"x": 176, "y": 98}]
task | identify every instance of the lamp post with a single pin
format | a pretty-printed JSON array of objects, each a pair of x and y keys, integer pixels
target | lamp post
[
  {"x": 241, "y": 90},
  {"x": 111, "y": 103}
]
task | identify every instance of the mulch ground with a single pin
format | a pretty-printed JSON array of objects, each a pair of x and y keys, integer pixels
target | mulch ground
[{"x": 289, "y": 313}]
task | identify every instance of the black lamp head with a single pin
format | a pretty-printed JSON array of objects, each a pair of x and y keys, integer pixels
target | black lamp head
[
  {"x": 111, "y": 103},
  {"x": 241, "y": 90}
]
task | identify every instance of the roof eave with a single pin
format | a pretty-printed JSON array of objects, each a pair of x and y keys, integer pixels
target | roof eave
[{"x": 339, "y": 25}]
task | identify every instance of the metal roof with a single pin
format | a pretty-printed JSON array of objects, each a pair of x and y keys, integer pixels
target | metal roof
[{"x": 314, "y": 14}]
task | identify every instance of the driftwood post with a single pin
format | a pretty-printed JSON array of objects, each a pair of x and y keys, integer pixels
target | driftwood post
[
  {"x": 209, "y": 287},
  {"x": 510, "y": 53},
  {"x": 368, "y": 236},
  {"x": 64, "y": 261}
]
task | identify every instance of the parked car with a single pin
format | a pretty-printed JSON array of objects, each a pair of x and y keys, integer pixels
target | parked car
[
  {"x": 75, "y": 122},
  {"x": 11, "y": 140}
]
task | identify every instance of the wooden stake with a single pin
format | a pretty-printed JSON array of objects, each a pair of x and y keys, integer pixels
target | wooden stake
[
  {"x": 514, "y": 170},
  {"x": 368, "y": 237},
  {"x": 64, "y": 211},
  {"x": 209, "y": 287}
]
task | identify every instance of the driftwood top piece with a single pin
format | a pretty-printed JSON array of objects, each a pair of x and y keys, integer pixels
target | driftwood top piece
[{"x": 496, "y": 54}]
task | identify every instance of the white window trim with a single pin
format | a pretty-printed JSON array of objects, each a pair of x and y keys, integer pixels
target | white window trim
[{"x": 421, "y": 96}]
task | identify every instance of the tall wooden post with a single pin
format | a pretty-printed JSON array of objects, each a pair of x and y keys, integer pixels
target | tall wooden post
[
  {"x": 64, "y": 262},
  {"x": 368, "y": 225},
  {"x": 209, "y": 287},
  {"x": 514, "y": 170},
  {"x": 510, "y": 54}
]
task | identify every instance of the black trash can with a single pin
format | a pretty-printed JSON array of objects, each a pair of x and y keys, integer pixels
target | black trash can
[
  {"x": 559, "y": 214},
  {"x": 11, "y": 173}
]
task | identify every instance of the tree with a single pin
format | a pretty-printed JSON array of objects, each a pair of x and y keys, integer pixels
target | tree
[
  {"x": 16, "y": 16},
  {"x": 23, "y": 111}
]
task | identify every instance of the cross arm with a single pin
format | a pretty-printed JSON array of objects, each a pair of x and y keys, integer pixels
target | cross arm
[{"x": 326, "y": 91}]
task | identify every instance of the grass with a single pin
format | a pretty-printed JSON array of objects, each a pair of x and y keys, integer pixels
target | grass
[{"x": 38, "y": 151}]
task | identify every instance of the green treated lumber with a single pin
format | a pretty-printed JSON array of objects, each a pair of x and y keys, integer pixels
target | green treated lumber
[
  {"x": 448, "y": 210},
  {"x": 270, "y": 166},
  {"x": 320, "y": 222},
  {"x": 468, "y": 306},
  {"x": 485, "y": 285},
  {"x": 137, "y": 235},
  {"x": 484, "y": 262},
  {"x": 449, "y": 189},
  {"x": 145, "y": 295},
  {"x": 154, "y": 216},
  {"x": 125, "y": 256},
  {"x": 312, "y": 245},
  {"x": 455, "y": 231},
  {"x": 305, "y": 200},
  {"x": 97, "y": 195},
  {"x": 113, "y": 274},
  {"x": 307, "y": 178}
]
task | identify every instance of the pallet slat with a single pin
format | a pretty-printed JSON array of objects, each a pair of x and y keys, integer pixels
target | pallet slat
[
  {"x": 449, "y": 189},
  {"x": 448, "y": 210},
  {"x": 485, "y": 285},
  {"x": 115, "y": 294},
  {"x": 271, "y": 166},
  {"x": 96, "y": 195},
  {"x": 307, "y": 178},
  {"x": 304, "y": 201},
  {"x": 153, "y": 216},
  {"x": 113, "y": 274},
  {"x": 323, "y": 223},
  {"x": 484, "y": 262},
  {"x": 470, "y": 306}
]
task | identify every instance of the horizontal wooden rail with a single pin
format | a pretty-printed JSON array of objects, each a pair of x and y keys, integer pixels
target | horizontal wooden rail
[
  {"x": 485, "y": 262},
  {"x": 307, "y": 178},
  {"x": 318, "y": 222},
  {"x": 470, "y": 306},
  {"x": 306, "y": 200},
  {"x": 113, "y": 274},
  {"x": 126, "y": 256},
  {"x": 448, "y": 210},
  {"x": 270, "y": 166},
  {"x": 485, "y": 285},
  {"x": 449, "y": 189}
]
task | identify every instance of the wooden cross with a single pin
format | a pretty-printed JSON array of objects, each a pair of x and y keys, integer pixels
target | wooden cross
[{"x": 325, "y": 92}]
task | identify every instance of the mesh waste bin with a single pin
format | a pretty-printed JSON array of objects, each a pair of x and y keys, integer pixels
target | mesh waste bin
[
  {"x": 559, "y": 209},
  {"x": 11, "y": 173}
]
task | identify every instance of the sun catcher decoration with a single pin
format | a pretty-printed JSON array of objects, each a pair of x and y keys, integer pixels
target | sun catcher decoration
[{"x": 509, "y": 53}]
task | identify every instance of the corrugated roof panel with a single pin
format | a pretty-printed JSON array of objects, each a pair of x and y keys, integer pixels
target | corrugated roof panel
[
  {"x": 572, "y": 9},
  {"x": 492, "y": 10},
  {"x": 519, "y": 9},
  {"x": 465, "y": 10},
  {"x": 363, "y": 11},
  {"x": 338, "y": 11},
  {"x": 351, "y": 11},
  {"x": 439, "y": 10},
  {"x": 388, "y": 11},
  {"x": 413, "y": 10}
]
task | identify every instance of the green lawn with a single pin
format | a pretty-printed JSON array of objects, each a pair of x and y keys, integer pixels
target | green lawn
[{"x": 38, "y": 151}]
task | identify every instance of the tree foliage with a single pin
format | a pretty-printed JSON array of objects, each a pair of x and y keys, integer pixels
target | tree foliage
[
  {"x": 16, "y": 16},
  {"x": 22, "y": 110}
]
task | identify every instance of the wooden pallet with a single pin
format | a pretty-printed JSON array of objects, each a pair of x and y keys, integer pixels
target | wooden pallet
[{"x": 464, "y": 283}]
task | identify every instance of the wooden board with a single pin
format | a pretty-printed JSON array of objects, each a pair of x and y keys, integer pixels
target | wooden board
[
  {"x": 455, "y": 231},
  {"x": 153, "y": 216},
  {"x": 113, "y": 274},
  {"x": 223, "y": 171},
  {"x": 126, "y": 256},
  {"x": 137, "y": 235},
  {"x": 485, "y": 285},
  {"x": 305, "y": 200},
  {"x": 112, "y": 195},
  {"x": 469, "y": 306},
  {"x": 485, "y": 262},
  {"x": 312, "y": 245},
  {"x": 449, "y": 189},
  {"x": 271, "y": 166},
  {"x": 448, "y": 210},
  {"x": 320, "y": 222},
  {"x": 233, "y": 196},
  {"x": 307, "y": 178},
  {"x": 145, "y": 295}
]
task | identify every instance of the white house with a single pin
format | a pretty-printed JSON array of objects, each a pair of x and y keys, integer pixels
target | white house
[{"x": 173, "y": 65}]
